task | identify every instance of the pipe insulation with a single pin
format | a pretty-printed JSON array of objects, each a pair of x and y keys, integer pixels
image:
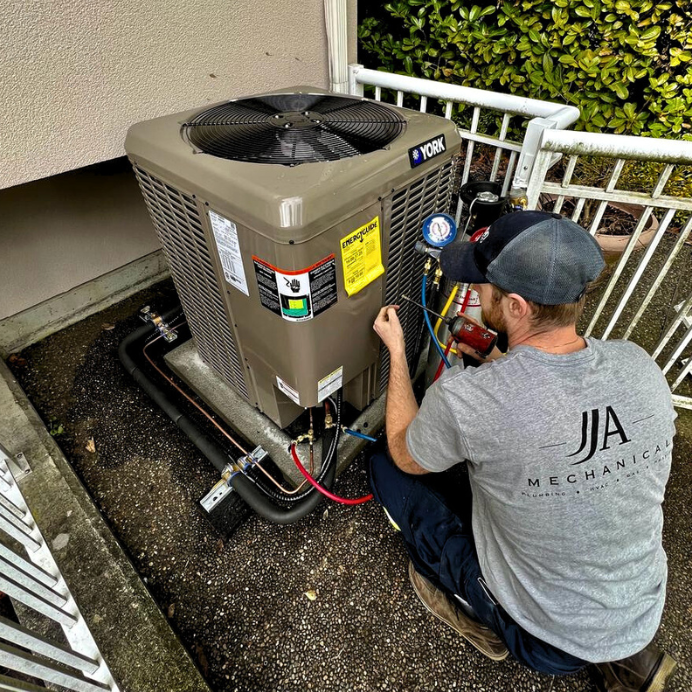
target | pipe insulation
[{"x": 245, "y": 486}]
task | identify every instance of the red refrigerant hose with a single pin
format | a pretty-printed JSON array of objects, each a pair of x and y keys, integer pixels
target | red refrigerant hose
[
  {"x": 451, "y": 340},
  {"x": 324, "y": 491},
  {"x": 441, "y": 366}
]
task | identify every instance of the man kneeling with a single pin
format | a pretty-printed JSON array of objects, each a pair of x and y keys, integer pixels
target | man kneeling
[{"x": 546, "y": 543}]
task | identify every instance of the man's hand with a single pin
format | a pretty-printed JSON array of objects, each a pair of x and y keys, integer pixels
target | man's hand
[
  {"x": 401, "y": 404},
  {"x": 389, "y": 329}
]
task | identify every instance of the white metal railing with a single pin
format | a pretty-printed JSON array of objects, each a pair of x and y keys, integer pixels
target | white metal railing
[
  {"x": 34, "y": 580},
  {"x": 521, "y": 155},
  {"x": 620, "y": 311}
]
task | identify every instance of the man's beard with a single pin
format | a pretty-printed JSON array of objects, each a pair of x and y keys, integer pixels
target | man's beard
[{"x": 493, "y": 319}]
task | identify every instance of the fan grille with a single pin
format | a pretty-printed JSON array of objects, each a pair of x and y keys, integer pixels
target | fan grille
[{"x": 291, "y": 129}]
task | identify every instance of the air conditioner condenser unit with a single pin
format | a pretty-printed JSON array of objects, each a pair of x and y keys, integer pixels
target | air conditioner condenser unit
[{"x": 288, "y": 219}]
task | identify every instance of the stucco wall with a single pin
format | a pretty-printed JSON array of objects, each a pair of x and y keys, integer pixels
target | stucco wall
[
  {"x": 77, "y": 73},
  {"x": 63, "y": 231}
]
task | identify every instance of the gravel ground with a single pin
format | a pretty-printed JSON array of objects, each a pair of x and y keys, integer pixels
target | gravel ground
[{"x": 242, "y": 606}]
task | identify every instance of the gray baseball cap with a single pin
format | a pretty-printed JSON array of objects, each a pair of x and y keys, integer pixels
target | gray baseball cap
[{"x": 543, "y": 257}]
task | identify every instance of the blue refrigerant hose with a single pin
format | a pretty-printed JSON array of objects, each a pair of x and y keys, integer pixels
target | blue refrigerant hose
[
  {"x": 430, "y": 327},
  {"x": 362, "y": 436}
]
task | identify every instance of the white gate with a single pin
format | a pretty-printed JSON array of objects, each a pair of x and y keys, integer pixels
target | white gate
[
  {"x": 29, "y": 575},
  {"x": 639, "y": 285}
]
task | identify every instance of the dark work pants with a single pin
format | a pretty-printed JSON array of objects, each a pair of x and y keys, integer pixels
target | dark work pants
[{"x": 433, "y": 512}]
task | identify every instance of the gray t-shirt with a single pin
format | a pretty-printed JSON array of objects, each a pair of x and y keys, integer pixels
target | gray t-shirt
[{"x": 568, "y": 458}]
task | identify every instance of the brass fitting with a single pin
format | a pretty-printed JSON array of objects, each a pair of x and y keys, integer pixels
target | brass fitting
[
  {"x": 328, "y": 421},
  {"x": 309, "y": 436},
  {"x": 518, "y": 199},
  {"x": 428, "y": 265},
  {"x": 229, "y": 471},
  {"x": 438, "y": 276}
]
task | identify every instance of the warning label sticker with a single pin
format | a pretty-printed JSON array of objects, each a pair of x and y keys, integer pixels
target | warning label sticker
[
  {"x": 226, "y": 236},
  {"x": 288, "y": 390},
  {"x": 297, "y": 295},
  {"x": 361, "y": 254},
  {"x": 330, "y": 384}
]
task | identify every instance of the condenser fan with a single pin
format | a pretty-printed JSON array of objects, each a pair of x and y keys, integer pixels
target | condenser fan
[{"x": 291, "y": 129}]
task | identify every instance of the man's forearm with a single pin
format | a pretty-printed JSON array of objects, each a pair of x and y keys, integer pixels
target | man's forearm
[{"x": 401, "y": 410}]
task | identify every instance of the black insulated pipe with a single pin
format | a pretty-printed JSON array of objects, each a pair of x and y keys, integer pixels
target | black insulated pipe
[
  {"x": 136, "y": 339},
  {"x": 330, "y": 441},
  {"x": 254, "y": 497},
  {"x": 245, "y": 487}
]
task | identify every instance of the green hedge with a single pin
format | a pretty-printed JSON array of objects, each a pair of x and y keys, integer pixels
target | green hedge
[{"x": 627, "y": 64}]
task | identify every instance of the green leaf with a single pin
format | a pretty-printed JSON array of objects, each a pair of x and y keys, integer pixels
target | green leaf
[
  {"x": 536, "y": 78},
  {"x": 621, "y": 90},
  {"x": 582, "y": 12},
  {"x": 567, "y": 60},
  {"x": 650, "y": 34}
]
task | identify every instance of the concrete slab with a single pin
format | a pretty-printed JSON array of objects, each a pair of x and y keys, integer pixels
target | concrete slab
[
  {"x": 254, "y": 426},
  {"x": 135, "y": 639}
]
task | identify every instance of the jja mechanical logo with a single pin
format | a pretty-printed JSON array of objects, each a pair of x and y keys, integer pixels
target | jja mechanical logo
[{"x": 427, "y": 150}]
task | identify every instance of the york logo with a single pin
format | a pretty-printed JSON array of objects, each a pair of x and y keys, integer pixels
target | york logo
[
  {"x": 593, "y": 434},
  {"x": 427, "y": 150}
]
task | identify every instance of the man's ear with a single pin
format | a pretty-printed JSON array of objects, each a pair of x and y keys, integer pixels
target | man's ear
[{"x": 517, "y": 306}]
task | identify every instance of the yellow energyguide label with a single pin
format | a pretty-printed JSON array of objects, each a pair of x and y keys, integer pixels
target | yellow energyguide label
[{"x": 361, "y": 254}]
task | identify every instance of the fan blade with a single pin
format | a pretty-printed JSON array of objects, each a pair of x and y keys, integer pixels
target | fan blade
[
  {"x": 292, "y": 103},
  {"x": 245, "y": 130}
]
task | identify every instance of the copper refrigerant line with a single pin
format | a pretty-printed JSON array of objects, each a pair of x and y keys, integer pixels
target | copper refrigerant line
[
  {"x": 309, "y": 437},
  {"x": 171, "y": 381},
  {"x": 225, "y": 433}
]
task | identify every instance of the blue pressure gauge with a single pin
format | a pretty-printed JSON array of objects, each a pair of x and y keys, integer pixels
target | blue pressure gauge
[{"x": 439, "y": 230}]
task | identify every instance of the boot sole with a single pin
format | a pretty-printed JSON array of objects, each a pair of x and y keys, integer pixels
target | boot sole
[
  {"x": 485, "y": 652},
  {"x": 665, "y": 669}
]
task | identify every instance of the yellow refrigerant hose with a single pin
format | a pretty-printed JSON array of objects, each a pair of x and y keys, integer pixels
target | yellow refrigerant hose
[{"x": 449, "y": 302}]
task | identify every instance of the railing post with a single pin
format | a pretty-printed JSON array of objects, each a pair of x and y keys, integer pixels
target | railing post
[
  {"x": 354, "y": 87},
  {"x": 529, "y": 151}
]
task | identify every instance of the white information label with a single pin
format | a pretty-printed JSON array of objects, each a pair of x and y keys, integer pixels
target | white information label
[
  {"x": 330, "y": 384},
  {"x": 288, "y": 390},
  {"x": 226, "y": 235}
]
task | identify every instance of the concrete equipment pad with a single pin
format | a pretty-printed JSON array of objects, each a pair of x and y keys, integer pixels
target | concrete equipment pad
[{"x": 254, "y": 426}]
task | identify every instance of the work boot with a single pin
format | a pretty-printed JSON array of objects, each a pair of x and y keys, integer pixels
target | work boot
[
  {"x": 484, "y": 639},
  {"x": 646, "y": 671}
]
